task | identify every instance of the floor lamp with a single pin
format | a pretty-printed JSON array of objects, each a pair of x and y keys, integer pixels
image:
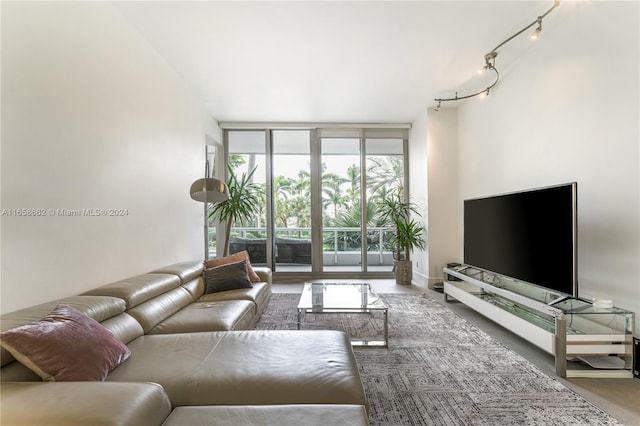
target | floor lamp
[{"x": 208, "y": 190}]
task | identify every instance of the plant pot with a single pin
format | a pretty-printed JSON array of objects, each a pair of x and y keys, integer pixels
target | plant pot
[{"x": 403, "y": 271}]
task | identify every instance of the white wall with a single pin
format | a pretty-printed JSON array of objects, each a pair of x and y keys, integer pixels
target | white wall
[
  {"x": 418, "y": 191},
  {"x": 442, "y": 170},
  {"x": 568, "y": 110},
  {"x": 433, "y": 173},
  {"x": 92, "y": 118}
]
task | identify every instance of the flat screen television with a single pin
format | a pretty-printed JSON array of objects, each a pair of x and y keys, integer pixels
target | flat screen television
[{"x": 529, "y": 236}]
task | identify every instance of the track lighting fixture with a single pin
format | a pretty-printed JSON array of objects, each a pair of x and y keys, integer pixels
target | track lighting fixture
[{"x": 490, "y": 59}]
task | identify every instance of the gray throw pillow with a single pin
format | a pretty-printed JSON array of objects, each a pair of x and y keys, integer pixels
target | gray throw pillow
[{"x": 226, "y": 277}]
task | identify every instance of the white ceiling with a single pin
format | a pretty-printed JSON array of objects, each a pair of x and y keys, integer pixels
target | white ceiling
[{"x": 329, "y": 61}]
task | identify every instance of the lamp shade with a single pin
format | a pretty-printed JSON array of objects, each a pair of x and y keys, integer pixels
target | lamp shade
[{"x": 209, "y": 190}]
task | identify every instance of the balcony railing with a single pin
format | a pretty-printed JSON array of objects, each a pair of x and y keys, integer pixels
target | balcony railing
[{"x": 341, "y": 245}]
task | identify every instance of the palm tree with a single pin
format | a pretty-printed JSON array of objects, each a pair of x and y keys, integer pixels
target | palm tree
[
  {"x": 352, "y": 218},
  {"x": 353, "y": 176},
  {"x": 382, "y": 193},
  {"x": 332, "y": 192},
  {"x": 282, "y": 193},
  {"x": 300, "y": 203},
  {"x": 236, "y": 160},
  {"x": 385, "y": 171}
]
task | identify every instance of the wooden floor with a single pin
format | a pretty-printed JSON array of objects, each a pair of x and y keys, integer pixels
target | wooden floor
[{"x": 618, "y": 397}]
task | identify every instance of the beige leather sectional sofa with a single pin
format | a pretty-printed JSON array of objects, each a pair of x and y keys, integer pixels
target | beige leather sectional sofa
[{"x": 195, "y": 360}]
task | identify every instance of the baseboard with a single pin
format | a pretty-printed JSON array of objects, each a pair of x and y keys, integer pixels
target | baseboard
[
  {"x": 425, "y": 281},
  {"x": 420, "y": 279}
]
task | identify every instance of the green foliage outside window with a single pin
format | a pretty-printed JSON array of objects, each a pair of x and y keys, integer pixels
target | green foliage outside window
[{"x": 340, "y": 201}]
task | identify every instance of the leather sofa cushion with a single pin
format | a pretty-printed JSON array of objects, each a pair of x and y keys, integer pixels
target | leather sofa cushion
[
  {"x": 83, "y": 403},
  {"x": 17, "y": 372},
  {"x": 258, "y": 294},
  {"x": 185, "y": 270},
  {"x": 161, "y": 307},
  {"x": 195, "y": 287},
  {"x": 97, "y": 307},
  {"x": 124, "y": 327},
  {"x": 265, "y": 274},
  {"x": 282, "y": 415},
  {"x": 209, "y": 316},
  {"x": 254, "y": 367},
  {"x": 139, "y": 289}
]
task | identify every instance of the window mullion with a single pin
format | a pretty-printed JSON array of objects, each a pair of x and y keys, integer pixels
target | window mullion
[{"x": 316, "y": 202}]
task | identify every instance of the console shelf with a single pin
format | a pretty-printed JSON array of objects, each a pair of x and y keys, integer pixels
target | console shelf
[{"x": 565, "y": 327}]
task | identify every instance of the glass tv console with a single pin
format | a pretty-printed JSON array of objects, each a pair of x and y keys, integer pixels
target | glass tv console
[{"x": 563, "y": 326}]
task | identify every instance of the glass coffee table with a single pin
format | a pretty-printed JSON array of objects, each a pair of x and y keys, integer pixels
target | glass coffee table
[{"x": 336, "y": 298}]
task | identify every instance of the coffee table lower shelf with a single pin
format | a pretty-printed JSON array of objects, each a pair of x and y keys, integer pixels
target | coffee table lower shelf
[{"x": 356, "y": 343}]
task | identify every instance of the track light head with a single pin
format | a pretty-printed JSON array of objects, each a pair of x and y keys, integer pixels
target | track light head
[
  {"x": 489, "y": 57},
  {"x": 489, "y": 62},
  {"x": 536, "y": 34}
]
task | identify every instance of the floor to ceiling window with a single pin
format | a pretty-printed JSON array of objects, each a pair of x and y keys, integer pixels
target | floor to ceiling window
[
  {"x": 320, "y": 188},
  {"x": 246, "y": 156},
  {"x": 385, "y": 166},
  {"x": 341, "y": 202},
  {"x": 291, "y": 170}
]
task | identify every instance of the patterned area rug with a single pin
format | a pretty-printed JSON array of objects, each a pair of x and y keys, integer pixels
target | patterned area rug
[{"x": 442, "y": 370}]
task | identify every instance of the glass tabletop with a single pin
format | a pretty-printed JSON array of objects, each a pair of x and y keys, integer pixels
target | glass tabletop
[
  {"x": 327, "y": 297},
  {"x": 578, "y": 306}
]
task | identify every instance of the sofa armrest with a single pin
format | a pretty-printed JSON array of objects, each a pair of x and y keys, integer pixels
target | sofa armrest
[
  {"x": 83, "y": 403},
  {"x": 264, "y": 273}
]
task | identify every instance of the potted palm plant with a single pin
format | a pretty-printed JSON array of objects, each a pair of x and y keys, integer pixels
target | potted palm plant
[
  {"x": 242, "y": 205},
  {"x": 407, "y": 234}
]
